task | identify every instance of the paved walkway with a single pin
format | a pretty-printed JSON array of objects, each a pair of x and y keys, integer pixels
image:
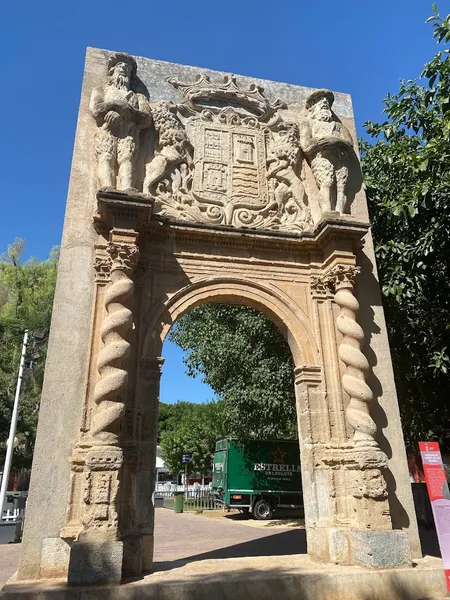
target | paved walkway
[
  {"x": 9, "y": 559},
  {"x": 188, "y": 538},
  {"x": 184, "y": 538}
]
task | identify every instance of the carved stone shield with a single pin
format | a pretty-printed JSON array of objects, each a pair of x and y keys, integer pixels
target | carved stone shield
[
  {"x": 230, "y": 167},
  {"x": 222, "y": 139}
]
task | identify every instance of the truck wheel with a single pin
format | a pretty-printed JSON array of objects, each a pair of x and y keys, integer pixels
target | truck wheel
[{"x": 262, "y": 510}]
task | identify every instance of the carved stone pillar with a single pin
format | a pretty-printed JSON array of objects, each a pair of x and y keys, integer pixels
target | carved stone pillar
[
  {"x": 97, "y": 554},
  {"x": 354, "y": 524},
  {"x": 322, "y": 305},
  {"x": 137, "y": 532},
  {"x": 103, "y": 460},
  {"x": 110, "y": 389},
  {"x": 147, "y": 397},
  {"x": 311, "y": 403},
  {"x": 369, "y": 459}
]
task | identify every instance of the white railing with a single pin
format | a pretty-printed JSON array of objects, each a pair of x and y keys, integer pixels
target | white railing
[
  {"x": 13, "y": 516},
  {"x": 162, "y": 488}
]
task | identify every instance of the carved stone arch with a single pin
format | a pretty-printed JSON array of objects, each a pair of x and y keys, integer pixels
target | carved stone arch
[
  {"x": 213, "y": 193},
  {"x": 274, "y": 303}
]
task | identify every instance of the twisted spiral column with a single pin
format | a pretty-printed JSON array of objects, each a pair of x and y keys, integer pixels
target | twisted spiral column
[
  {"x": 109, "y": 390},
  {"x": 341, "y": 279}
]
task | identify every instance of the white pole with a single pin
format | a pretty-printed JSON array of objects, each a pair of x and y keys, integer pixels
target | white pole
[{"x": 12, "y": 429}]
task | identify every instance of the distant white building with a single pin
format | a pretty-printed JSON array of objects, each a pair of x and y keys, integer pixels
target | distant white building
[{"x": 160, "y": 467}]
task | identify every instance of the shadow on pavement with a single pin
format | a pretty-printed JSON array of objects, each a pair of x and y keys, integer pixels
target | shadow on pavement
[{"x": 278, "y": 544}]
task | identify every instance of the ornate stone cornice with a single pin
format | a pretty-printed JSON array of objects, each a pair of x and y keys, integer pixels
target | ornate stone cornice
[
  {"x": 124, "y": 210},
  {"x": 341, "y": 236}
]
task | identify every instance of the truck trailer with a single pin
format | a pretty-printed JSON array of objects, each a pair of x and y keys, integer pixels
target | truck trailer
[{"x": 257, "y": 477}]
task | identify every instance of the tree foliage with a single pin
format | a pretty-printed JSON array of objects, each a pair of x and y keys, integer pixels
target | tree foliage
[
  {"x": 26, "y": 298},
  {"x": 242, "y": 355},
  {"x": 187, "y": 428},
  {"x": 407, "y": 178}
]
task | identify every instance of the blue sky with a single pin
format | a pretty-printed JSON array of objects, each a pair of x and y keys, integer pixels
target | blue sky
[{"x": 362, "y": 48}]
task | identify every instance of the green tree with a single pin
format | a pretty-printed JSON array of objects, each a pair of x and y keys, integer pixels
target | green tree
[
  {"x": 171, "y": 415},
  {"x": 407, "y": 178},
  {"x": 26, "y": 298},
  {"x": 190, "y": 429},
  {"x": 243, "y": 356}
]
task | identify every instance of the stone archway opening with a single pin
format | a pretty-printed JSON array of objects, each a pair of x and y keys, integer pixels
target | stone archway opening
[
  {"x": 277, "y": 420},
  {"x": 275, "y": 309}
]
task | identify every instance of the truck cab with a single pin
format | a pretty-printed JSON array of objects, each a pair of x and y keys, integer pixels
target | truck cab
[{"x": 257, "y": 476}]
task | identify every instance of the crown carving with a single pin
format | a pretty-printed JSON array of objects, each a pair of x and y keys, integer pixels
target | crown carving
[{"x": 217, "y": 94}]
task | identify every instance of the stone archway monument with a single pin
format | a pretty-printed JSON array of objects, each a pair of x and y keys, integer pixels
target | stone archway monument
[{"x": 190, "y": 186}]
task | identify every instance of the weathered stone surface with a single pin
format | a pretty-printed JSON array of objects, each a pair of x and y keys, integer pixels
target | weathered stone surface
[
  {"x": 95, "y": 562},
  {"x": 228, "y": 210},
  {"x": 328, "y": 146},
  {"x": 224, "y": 153},
  {"x": 55, "y": 558},
  {"x": 120, "y": 114},
  {"x": 147, "y": 552},
  {"x": 60, "y": 409},
  {"x": 338, "y": 546},
  {"x": 380, "y": 549}
]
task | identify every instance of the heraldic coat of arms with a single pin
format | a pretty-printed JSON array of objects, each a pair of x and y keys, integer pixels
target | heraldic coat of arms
[{"x": 226, "y": 156}]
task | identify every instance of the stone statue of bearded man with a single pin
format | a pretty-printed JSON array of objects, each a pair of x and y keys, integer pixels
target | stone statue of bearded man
[
  {"x": 328, "y": 147},
  {"x": 120, "y": 114}
]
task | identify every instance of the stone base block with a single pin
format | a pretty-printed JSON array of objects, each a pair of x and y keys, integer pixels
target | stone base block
[
  {"x": 95, "y": 562},
  {"x": 54, "y": 558},
  {"x": 147, "y": 553},
  {"x": 132, "y": 555},
  {"x": 137, "y": 555},
  {"x": 380, "y": 549},
  {"x": 258, "y": 578},
  {"x": 375, "y": 549}
]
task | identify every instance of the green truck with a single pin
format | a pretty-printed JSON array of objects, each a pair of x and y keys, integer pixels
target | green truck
[{"x": 257, "y": 477}]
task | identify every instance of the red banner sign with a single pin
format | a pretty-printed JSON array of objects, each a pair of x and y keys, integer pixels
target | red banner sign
[{"x": 437, "y": 486}]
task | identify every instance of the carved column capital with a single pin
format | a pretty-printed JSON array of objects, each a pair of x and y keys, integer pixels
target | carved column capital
[
  {"x": 102, "y": 268},
  {"x": 124, "y": 257},
  {"x": 341, "y": 276},
  {"x": 319, "y": 287}
]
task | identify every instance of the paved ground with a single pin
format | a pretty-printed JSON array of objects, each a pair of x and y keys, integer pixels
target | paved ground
[
  {"x": 188, "y": 538},
  {"x": 180, "y": 539},
  {"x": 9, "y": 558}
]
